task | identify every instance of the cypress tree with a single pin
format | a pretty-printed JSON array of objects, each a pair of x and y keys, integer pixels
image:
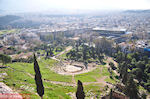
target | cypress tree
[
  {"x": 80, "y": 92},
  {"x": 51, "y": 52},
  {"x": 111, "y": 92},
  {"x": 38, "y": 79}
]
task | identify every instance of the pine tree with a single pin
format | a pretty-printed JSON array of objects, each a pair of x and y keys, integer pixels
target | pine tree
[
  {"x": 80, "y": 92},
  {"x": 38, "y": 79}
]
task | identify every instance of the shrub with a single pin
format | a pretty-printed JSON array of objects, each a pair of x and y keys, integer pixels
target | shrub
[{"x": 112, "y": 66}]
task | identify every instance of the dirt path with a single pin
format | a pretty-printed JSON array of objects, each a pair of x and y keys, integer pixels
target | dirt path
[
  {"x": 55, "y": 82},
  {"x": 74, "y": 83},
  {"x": 102, "y": 79},
  {"x": 73, "y": 79},
  {"x": 66, "y": 50},
  {"x": 60, "y": 83},
  {"x": 56, "y": 56}
]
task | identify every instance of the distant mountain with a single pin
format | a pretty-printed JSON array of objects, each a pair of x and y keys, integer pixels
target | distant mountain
[
  {"x": 4, "y": 20},
  {"x": 137, "y": 11}
]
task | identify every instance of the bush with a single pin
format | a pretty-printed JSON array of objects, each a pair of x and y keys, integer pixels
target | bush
[
  {"x": 29, "y": 60},
  {"x": 112, "y": 66},
  {"x": 5, "y": 59},
  {"x": 18, "y": 52}
]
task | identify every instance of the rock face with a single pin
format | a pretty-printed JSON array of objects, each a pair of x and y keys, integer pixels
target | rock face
[{"x": 7, "y": 93}]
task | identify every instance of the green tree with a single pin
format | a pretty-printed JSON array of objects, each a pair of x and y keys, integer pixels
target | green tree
[
  {"x": 86, "y": 64},
  {"x": 141, "y": 65},
  {"x": 78, "y": 56},
  {"x": 71, "y": 54},
  {"x": 138, "y": 73},
  {"x": 84, "y": 52},
  {"x": 103, "y": 46},
  {"x": 112, "y": 66},
  {"x": 93, "y": 52},
  {"x": 120, "y": 57},
  {"x": 131, "y": 88},
  {"x": 77, "y": 46},
  {"x": 38, "y": 79},
  {"x": 51, "y": 52},
  {"x": 125, "y": 76},
  {"x": 122, "y": 68},
  {"x": 5, "y": 59},
  {"x": 80, "y": 92},
  {"x": 147, "y": 68}
]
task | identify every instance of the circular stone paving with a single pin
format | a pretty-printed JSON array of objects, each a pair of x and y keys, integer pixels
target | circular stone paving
[{"x": 72, "y": 68}]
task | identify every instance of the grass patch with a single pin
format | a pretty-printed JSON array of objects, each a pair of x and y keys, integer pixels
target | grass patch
[
  {"x": 23, "y": 83},
  {"x": 88, "y": 77},
  {"x": 18, "y": 79},
  {"x": 97, "y": 73},
  {"x": 45, "y": 66},
  {"x": 93, "y": 89},
  {"x": 108, "y": 79}
]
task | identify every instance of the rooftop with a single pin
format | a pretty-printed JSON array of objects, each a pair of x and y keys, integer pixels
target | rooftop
[{"x": 109, "y": 29}]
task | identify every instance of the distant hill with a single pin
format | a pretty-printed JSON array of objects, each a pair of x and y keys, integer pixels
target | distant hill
[
  {"x": 4, "y": 20},
  {"x": 137, "y": 11}
]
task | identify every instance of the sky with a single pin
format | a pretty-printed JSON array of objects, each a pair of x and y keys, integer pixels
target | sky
[{"x": 43, "y": 5}]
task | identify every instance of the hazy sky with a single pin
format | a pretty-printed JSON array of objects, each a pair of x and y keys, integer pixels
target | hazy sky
[{"x": 42, "y": 5}]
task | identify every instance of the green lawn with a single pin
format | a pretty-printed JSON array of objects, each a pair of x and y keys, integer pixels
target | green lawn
[
  {"x": 93, "y": 89},
  {"x": 88, "y": 77},
  {"x": 46, "y": 72},
  {"x": 19, "y": 80},
  {"x": 25, "y": 84},
  {"x": 97, "y": 73}
]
